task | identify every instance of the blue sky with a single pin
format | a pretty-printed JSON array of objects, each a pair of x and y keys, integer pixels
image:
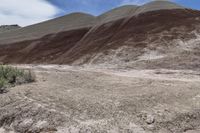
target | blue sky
[
  {"x": 27, "y": 12},
  {"x": 97, "y": 7}
]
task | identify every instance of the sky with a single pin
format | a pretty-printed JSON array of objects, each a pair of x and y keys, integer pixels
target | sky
[{"x": 27, "y": 12}]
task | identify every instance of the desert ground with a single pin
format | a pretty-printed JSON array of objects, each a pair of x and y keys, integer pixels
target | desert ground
[
  {"x": 67, "y": 99},
  {"x": 132, "y": 69}
]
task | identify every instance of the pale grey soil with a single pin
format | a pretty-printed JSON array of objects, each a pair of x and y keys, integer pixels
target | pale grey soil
[{"x": 71, "y": 100}]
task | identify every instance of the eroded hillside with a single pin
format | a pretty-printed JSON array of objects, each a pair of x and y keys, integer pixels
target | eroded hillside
[{"x": 156, "y": 39}]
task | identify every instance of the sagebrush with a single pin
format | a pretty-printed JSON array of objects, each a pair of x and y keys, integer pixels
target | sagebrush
[{"x": 10, "y": 76}]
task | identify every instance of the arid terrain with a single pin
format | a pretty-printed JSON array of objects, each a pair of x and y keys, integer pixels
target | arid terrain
[
  {"x": 133, "y": 69},
  {"x": 156, "y": 35},
  {"x": 69, "y": 99}
]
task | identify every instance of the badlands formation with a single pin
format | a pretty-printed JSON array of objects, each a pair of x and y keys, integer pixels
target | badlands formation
[{"x": 134, "y": 69}]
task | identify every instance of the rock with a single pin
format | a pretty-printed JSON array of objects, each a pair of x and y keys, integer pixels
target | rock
[{"x": 150, "y": 119}]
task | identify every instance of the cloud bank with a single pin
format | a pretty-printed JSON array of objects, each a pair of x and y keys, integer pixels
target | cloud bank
[{"x": 25, "y": 12}]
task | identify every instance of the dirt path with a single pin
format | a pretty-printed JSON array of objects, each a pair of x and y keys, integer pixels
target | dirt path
[{"x": 71, "y": 100}]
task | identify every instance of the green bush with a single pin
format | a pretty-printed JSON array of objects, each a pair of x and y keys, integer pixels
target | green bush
[
  {"x": 3, "y": 85},
  {"x": 10, "y": 76}
]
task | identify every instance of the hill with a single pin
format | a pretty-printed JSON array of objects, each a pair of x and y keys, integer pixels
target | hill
[
  {"x": 159, "y": 34},
  {"x": 66, "y": 23}
]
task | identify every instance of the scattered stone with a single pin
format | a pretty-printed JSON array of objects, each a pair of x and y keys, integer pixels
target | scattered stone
[{"x": 150, "y": 119}]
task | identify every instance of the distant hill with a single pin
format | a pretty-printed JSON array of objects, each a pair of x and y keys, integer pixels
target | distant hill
[
  {"x": 64, "y": 23},
  {"x": 4, "y": 28},
  {"x": 81, "y": 20}
]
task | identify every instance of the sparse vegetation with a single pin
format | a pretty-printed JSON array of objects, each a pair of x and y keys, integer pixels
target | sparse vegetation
[{"x": 10, "y": 76}]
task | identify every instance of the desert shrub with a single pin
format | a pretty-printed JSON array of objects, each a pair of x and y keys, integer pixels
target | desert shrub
[
  {"x": 3, "y": 85},
  {"x": 27, "y": 76},
  {"x": 10, "y": 76}
]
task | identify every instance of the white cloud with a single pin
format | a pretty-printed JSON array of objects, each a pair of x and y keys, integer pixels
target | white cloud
[{"x": 25, "y": 12}]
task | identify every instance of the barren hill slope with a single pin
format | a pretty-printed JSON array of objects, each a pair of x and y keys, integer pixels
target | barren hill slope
[
  {"x": 69, "y": 22},
  {"x": 165, "y": 39},
  {"x": 157, "y": 5},
  {"x": 117, "y": 13},
  {"x": 159, "y": 34}
]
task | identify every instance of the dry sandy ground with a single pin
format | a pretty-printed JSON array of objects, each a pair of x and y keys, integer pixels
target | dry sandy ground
[{"x": 86, "y": 100}]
